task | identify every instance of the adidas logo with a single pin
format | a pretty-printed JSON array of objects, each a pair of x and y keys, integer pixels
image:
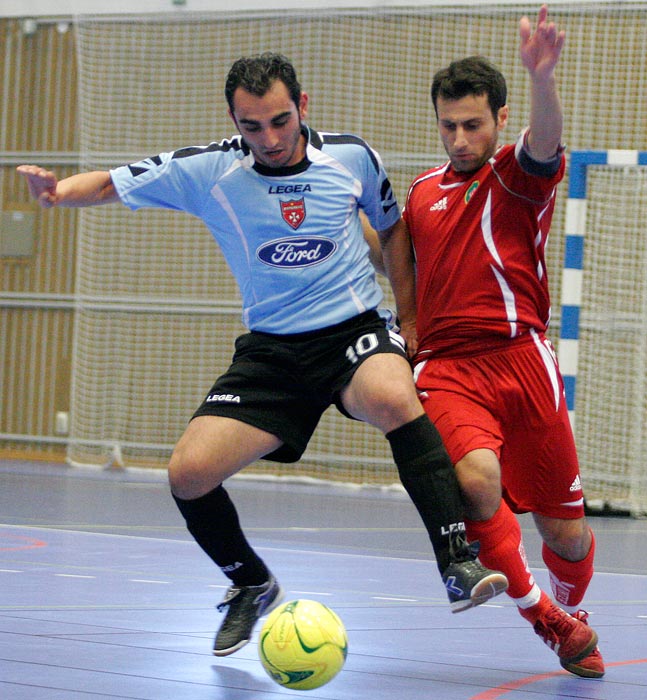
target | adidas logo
[
  {"x": 576, "y": 485},
  {"x": 440, "y": 205}
]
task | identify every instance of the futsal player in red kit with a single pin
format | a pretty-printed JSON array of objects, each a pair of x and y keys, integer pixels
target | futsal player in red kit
[{"x": 473, "y": 265}]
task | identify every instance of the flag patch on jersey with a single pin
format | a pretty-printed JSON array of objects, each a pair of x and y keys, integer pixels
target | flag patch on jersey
[{"x": 294, "y": 212}]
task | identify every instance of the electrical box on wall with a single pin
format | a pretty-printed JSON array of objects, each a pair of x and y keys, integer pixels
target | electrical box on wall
[
  {"x": 17, "y": 234},
  {"x": 62, "y": 423}
]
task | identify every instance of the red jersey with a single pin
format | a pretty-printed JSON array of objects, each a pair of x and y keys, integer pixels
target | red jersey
[{"x": 479, "y": 242}]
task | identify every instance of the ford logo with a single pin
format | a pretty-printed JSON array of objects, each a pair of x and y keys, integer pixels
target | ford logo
[{"x": 296, "y": 252}]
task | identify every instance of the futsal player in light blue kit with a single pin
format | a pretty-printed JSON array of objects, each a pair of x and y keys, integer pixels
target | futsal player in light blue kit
[{"x": 283, "y": 202}]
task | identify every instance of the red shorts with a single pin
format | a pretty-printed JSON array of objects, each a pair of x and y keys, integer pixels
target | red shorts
[{"x": 510, "y": 401}]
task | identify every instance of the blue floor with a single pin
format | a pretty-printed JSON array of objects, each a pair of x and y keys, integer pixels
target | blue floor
[{"x": 103, "y": 594}]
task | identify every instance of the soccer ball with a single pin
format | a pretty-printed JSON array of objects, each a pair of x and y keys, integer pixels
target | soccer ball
[{"x": 303, "y": 644}]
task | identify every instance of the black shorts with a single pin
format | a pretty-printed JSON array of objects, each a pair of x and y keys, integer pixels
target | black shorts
[{"x": 283, "y": 383}]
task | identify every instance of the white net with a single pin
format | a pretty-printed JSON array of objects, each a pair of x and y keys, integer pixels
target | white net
[
  {"x": 158, "y": 310},
  {"x": 611, "y": 407}
]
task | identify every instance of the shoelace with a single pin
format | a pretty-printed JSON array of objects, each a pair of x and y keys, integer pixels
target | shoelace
[
  {"x": 231, "y": 593},
  {"x": 553, "y": 624},
  {"x": 459, "y": 549}
]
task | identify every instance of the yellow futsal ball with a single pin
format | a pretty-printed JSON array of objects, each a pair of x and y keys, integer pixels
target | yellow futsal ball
[{"x": 303, "y": 644}]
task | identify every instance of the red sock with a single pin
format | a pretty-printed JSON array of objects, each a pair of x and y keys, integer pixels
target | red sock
[
  {"x": 502, "y": 548},
  {"x": 569, "y": 579}
]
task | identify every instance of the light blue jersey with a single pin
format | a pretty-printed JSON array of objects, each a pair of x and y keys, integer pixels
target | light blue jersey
[{"x": 291, "y": 236}]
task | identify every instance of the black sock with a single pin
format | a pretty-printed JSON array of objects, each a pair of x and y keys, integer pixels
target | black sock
[
  {"x": 213, "y": 521},
  {"x": 428, "y": 475}
]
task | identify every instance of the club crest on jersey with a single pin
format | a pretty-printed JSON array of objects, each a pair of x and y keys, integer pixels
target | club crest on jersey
[
  {"x": 296, "y": 252},
  {"x": 293, "y": 212}
]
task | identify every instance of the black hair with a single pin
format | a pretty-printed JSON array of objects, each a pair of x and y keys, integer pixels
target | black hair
[
  {"x": 257, "y": 74},
  {"x": 473, "y": 75}
]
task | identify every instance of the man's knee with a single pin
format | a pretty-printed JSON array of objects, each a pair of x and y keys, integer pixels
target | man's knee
[
  {"x": 189, "y": 476},
  {"x": 479, "y": 476},
  {"x": 382, "y": 393}
]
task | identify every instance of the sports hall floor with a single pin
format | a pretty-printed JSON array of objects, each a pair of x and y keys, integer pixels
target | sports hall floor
[{"x": 104, "y": 595}]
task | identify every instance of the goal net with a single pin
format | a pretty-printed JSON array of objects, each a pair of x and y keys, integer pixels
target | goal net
[
  {"x": 158, "y": 311},
  {"x": 610, "y": 405}
]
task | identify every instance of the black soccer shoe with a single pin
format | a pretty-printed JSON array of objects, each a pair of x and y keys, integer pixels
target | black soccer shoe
[
  {"x": 467, "y": 581},
  {"x": 246, "y": 604}
]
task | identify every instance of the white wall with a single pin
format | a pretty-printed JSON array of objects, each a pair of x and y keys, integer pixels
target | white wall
[{"x": 67, "y": 8}]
